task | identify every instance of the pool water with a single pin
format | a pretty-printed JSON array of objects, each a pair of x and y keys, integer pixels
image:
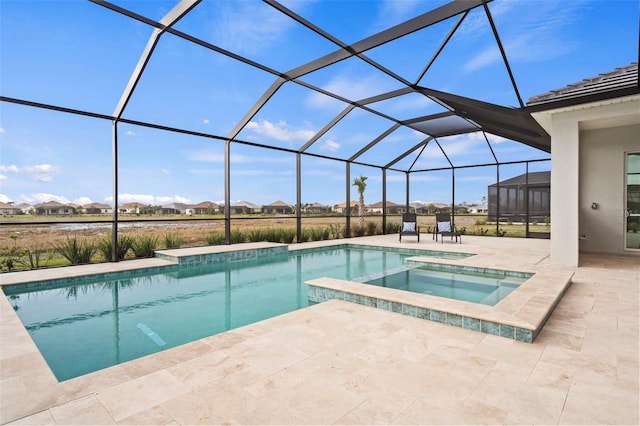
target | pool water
[
  {"x": 91, "y": 325},
  {"x": 486, "y": 289}
]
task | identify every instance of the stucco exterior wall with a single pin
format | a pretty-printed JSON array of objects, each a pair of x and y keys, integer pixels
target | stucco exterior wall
[
  {"x": 588, "y": 143},
  {"x": 602, "y": 177}
]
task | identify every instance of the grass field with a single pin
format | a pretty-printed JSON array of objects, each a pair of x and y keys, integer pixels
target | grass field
[{"x": 34, "y": 245}]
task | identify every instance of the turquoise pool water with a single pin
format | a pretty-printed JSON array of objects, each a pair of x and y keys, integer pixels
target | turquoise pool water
[
  {"x": 93, "y": 324},
  {"x": 484, "y": 288}
]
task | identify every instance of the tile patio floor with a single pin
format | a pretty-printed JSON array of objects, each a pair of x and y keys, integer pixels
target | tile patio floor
[{"x": 342, "y": 363}]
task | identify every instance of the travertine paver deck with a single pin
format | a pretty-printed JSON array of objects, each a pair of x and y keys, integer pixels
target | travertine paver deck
[{"x": 339, "y": 362}]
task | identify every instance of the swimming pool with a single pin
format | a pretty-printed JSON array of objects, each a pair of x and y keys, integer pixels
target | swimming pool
[
  {"x": 93, "y": 324},
  {"x": 485, "y": 288}
]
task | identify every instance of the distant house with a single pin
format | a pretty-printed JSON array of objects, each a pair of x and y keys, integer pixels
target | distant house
[
  {"x": 514, "y": 192},
  {"x": 342, "y": 207},
  {"x": 478, "y": 209},
  {"x": 54, "y": 208},
  {"x": 278, "y": 207},
  {"x": 317, "y": 208},
  {"x": 205, "y": 207},
  {"x": 244, "y": 207},
  {"x": 392, "y": 208},
  {"x": 131, "y": 208},
  {"x": 97, "y": 208},
  {"x": 429, "y": 208},
  {"x": 9, "y": 209},
  {"x": 173, "y": 208},
  {"x": 26, "y": 208}
]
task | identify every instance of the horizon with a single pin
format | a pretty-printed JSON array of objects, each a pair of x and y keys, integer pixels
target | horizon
[{"x": 79, "y": 55}]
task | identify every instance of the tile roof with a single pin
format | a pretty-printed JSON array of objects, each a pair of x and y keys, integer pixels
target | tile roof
[{"x": 625, "y": 77}]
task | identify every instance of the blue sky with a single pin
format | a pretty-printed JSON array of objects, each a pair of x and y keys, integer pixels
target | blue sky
[{"x": 76, "y": 54}]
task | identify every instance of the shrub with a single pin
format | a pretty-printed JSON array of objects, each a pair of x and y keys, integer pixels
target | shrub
[
  {"x": 76, "y": 252},
  {"x": 34, "y": 257},
  {"x": 172, "y": 241},
  {"x": 482, "y": 232},
  {"x": 335, "y": 231},
  {"x": 144, "y": 245},
  {"x": 215, "y": 238},
  {"x": 105, "y": 246},
  {"x": 237, "y": 236},
  {"x": 358, "y": 231},
  {"x": 10, "y": 256},
  {"x": 372, "y": 228},
  {"x": 481, "y": 221},
  {"x": 320, "y": 234},
  {"x": 392, "y": 228}
]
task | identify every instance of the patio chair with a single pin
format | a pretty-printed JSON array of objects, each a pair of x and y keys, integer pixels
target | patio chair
[
  {"x": 445, "y": 228},
  {"x": 409, "y": 226}
]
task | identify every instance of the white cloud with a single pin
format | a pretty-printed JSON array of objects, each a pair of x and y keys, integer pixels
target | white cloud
[
  {"x": 538, "y": 36},
  {"x": 130, "y": 133},
  {"x": 206, "y": 121},
  {"x": 3, "y": 177},
  {"x": 395, "y": 11},
  {"x": 246, "y": 27},
  {"x": 1, "y": 130},
  {"x": 149, "y": 199},
  {"x": 206, "y": 156},
  {"x": 5, "y": 199},
  {"x": 165, "y": 172},
  {"x": 280, "y": 131},
  {"x": 487, "y": 57},
  {"x": 39, "y": 172},
  {"x": 330, "y": 145},
  {"x": 42, "y": 172},
  {"x": 82, "y": 200},
  {"x": 12, "y": 168},
  {"x": 352, "y": 87},
  {"x": 42, "y": 197}
]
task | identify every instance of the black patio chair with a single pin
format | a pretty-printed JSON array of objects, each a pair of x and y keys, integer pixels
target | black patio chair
[
  {"x": 445, "y": 228},
  {"x": 409, "y": 226}
]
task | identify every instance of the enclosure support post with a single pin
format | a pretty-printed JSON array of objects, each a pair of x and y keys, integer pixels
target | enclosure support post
[
  {"x": 453, "y": 195},
  {"x": 298, "y": 198},
  {"x": 347, "y": 231},
  {"x": 384, "y": 201},
  {"x": 227, "y": 192},
  {"x": 406, "y": 191},
  {"x": 526, "y": 199},
  {"x": 114, "y": 212},
  {"x": 497, "y": 199}
]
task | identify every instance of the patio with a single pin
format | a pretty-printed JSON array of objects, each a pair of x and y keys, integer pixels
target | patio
[{"x": 338, "y": 362}]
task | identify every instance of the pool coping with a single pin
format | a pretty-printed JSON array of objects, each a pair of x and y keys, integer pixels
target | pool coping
[
  {"x": 519, "y": 316},
  {"x": 35, "y": 388}
]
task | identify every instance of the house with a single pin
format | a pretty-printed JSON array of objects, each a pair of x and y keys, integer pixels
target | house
[
  {"x": 54, "y": 208},
  {"x": 244, "y": 207},
  {"x": 97, "y": 208},
  {"x": 316, "y": 208},
  {"x": 594, "y": 126},
  {"x": 392, "y": 208},
  {"x": 481, "y": 208},
  {"x": 25, "y": 207},
  {"x": 342, "y": 207},
  {"x": 534, "y": 186},
  {"x": 7, "y": 209},
  {"x": 173, "y": 208},
  {"x": 278, "y": 207},
  {"x": 205, "y": 207},
  {"x": 131, "y": 208}
]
